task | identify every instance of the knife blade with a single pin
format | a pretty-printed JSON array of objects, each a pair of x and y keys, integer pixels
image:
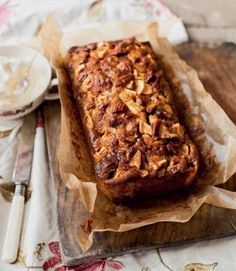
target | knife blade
[
  {"x": 21, "y": 177},
  {"x": 22, "y": 169}
]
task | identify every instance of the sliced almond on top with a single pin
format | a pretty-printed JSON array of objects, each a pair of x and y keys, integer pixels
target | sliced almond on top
[
  {"x": 130, "y": 85},
  {"x": 101, "y": 99},
  {"x": 100, "y": 154},
  {"x": 140, "y": 68},
  {"x": 178, "y": 129},
  {"x": 134, "y": 107},
  {"x": 87, "y": 83},
  {"x": 153, "y": 119},
  {"x": 145, "y": 128},
  {"x": 155, "y": 162},
  {"x": 101, "y": 52},
  {"x": 148, "y": 140},
  {"x": 167, "y": 108},
  {"x": 185, "y": 149},
  {"x": 142, "y": 116},
  {"x": 150, "y": 106},
  {"x": 139, "y": 86},
  {"x": 134, "y": 54},
  {"x": 88, "y": 120},
  {"x": 162, "y": 99},
  {"x": 79, "y": 68},
  {"x": 143, "y": 172},
  {"x": 165, "y": 133},
  {"x": 131, "y": 125},
  {"x": 136, "y": 160},
  {"x": 149, "y": 57},
  {"x": 162, "y": 162},
  {"x": 102, "y": 48},
  {"x": 127, "y": 94}
]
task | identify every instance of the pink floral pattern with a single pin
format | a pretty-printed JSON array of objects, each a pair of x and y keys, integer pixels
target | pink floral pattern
[
  {"x": 5, "y": 13},
  {"x": 54, "y": 263}
]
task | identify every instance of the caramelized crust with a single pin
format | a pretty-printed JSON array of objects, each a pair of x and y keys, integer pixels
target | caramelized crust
[{"x": 138, "y": 146}]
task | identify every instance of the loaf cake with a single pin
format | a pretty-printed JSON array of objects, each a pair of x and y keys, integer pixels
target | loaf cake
[{"x": 126, "y": 105}]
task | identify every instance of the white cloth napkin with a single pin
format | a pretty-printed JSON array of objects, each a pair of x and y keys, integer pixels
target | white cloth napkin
[
  {"x": 40, "y": 223},
  {"x": 8, "y": 146},
  {"x": 24, "y": 18},
  {"x": 211, "y": 21}
]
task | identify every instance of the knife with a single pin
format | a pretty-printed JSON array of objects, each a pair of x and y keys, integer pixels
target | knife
[{"x": 21, "y": 177}]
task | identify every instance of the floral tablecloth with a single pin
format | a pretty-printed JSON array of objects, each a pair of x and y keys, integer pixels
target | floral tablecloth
[{"x": 39, "y": 248}]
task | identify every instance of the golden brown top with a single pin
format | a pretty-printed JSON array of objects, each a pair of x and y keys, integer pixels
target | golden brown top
[{"x": 128, "y": 111}]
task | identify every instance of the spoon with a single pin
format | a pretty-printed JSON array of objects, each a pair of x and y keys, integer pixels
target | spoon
[{"x": 22, "y": 83}]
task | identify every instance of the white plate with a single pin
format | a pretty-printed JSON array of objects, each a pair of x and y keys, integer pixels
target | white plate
[{"x": 40, "y": 74}]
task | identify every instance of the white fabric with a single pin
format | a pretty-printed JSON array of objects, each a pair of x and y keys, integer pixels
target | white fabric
[
  {"x": 26, "y": 17},
  {"x": 212, "y": 21},
  {"x": 39, "y": 225},
  {"x": 8, "y": 147}
]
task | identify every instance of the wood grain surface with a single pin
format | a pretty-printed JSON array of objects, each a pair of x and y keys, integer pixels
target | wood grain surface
[{"x": 217, "y": 70}]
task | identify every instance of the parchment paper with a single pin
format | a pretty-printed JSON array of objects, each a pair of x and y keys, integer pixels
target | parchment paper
[{"x": 211, "y": 130}]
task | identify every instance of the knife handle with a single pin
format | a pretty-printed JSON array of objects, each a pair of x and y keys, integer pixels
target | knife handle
[{"x": 12, "y": 237}]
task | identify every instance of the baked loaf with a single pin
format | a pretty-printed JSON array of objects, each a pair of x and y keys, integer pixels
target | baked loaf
[{"x": 138, "y": 146}]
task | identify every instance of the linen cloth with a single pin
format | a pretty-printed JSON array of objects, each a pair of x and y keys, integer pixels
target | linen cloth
[
  {"x": 19, "y": 21},
  {"x": 211, "y": 21}
]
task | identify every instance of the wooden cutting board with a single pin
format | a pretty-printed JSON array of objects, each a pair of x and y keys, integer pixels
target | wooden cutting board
[{"x": 217, "y": 70}]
